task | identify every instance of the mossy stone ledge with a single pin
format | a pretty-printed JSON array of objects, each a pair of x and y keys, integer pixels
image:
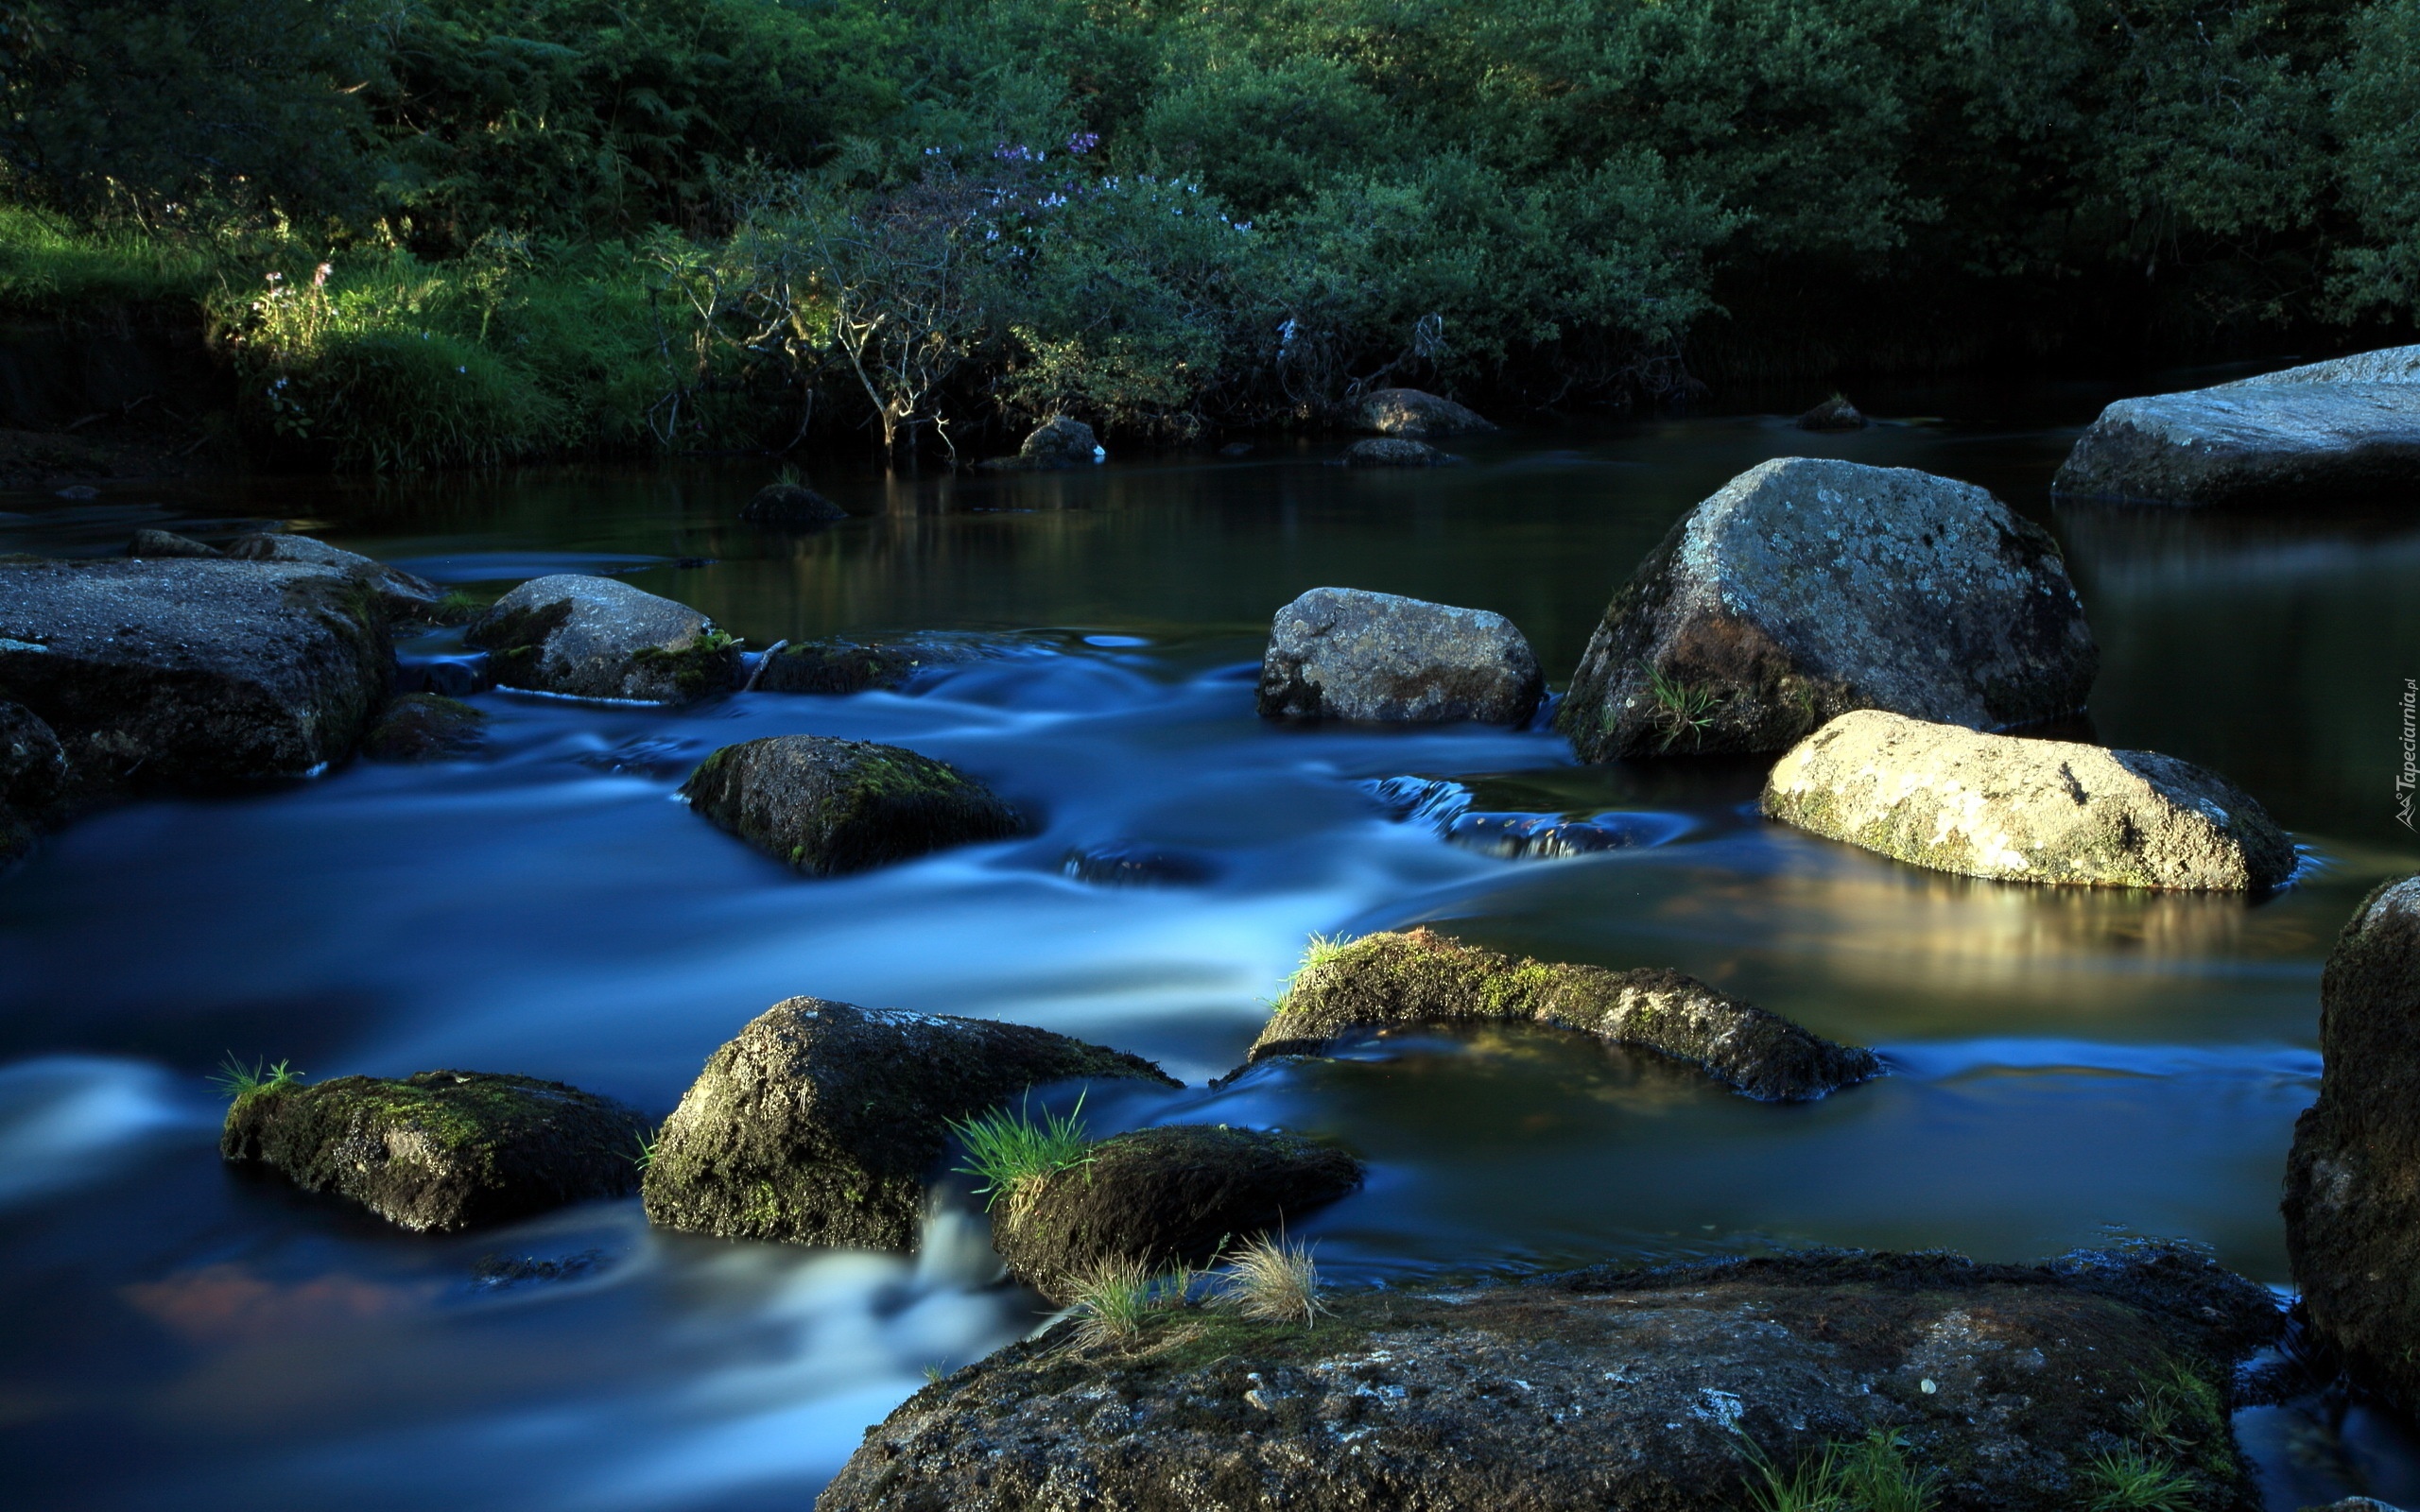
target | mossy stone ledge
[
  {"x": 1421, "y": 977},
  {"x": 829, "y": 806},
  {"x": 823, "y": 1123},
  {"x": 441, "y": 1150}
]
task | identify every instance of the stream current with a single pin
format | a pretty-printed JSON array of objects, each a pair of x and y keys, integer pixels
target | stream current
[{"x": 2068, "y": 1068}]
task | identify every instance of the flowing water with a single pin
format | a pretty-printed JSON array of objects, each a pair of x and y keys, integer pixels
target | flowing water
[{"x": 2069, "y": 1068}]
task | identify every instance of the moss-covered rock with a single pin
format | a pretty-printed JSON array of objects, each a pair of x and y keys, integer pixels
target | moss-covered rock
[
  {"x": 443, "y": 1149},
  {"x": 2042, "y": 811},
  {"x": 844, "y": 666},
  {"x": 425, "y": 727},
  {"x": 1603, "y": 1389},
  {"x": 1421, "y": 977},
  {"x": 1394, "y": 450},
  {"x": 1416, "y": 414},
  {"x": 1174, "y": 1195},
  {"x": 600, "y": 638},
  {"x": 829, "y": 806},
  {"x": 824, "y": 1124}
]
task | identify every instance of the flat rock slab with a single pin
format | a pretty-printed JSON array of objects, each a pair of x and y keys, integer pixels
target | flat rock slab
[
  {"x": 824, "y": 1124},
  {"x": 441, "y": 1150},
  {"x": 1600, "y": 1390},
  {"x": 830, "y": 806},
  {"x": 1341, "y": 653},
  {"x": 1174, "y": 1195},
  {"x": 600, "y": 638},
  {"x": 1416, "y": 414},
  {"x": 1805, "y": 589},
  {"x": 192, "y": 673},
  {"x": 2325, "y": 433},
  {"x": 2015, "y": 810},
  {"x": 1421, "y": 977}
]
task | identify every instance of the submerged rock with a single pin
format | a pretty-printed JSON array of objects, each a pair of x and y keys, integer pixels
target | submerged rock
[
  {"x": 2319, "y": 434},
  {"x": 1449, "y": 808},
  {"x": 1805, "y": 589},
  {"x": 168, "y": 543},
  {"x": 1413, "y": 413},
  {"x": 400, "y": 595},
  {"x": 425, "y": 727},
  {"x": 443, "y": 1149},
  {"x": 1419, "y": 977},
  {"x": 2015, "y": 810},
  {"x": 1394, "y": 452},
  {"x": 2353, "y": 1179},
  {"x": 2004, "y": 1386},
  {"x": 823, "y": 1123},
  {"x": 1834, "y": 414},
  {"x": 1052, "y": 445},
  {"x": 1132, "y": 864},
  {"x": 829, "y": 806},
  {"x": 842, "y": 666},
  {"x": 192, "y": 674},
  {"x": 791, "y": 504},
  {"x": 600, "y": 638},
  {"x": 1341, "y": 653},
  {"x": 1174, "y": 1195}
]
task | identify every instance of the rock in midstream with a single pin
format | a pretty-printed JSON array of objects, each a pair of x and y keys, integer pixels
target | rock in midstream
[
  {"x": 425, "y": 727},
  {"x": 1421, "y": 977},
  {"x": 791, "y": 504},
  {"x": 1411, "y": 412},
  {"x": 2322, "y": 433},
  {"x": 1343, "y": 653},
  {"x": 400, "y": 595},
  {"x": 1834, "y": 414},
  {"x": 1053, "y": 446},
  {"x": 1392, "y": 451},
  {"x": 441, "y": 1150},
  {"x": 823, "y": 1123},
  {"x": 2353, "y": 1181},
  {"x": 1805, "y": 589},
  {"x": 2004, "y": 1386},
  {"x": 844, "y": 667},
  {"x": 829, "y": 806},
  {"x": 1447, "y": 807},
  {"x": 600, "y": 638},
  {"x": 2016, "y": 810},
  {"x": 185, "y": 673}
]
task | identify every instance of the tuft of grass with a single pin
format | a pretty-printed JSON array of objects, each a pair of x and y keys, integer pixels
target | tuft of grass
[
  {"x": 1871, "y": 1474},
  {"x": 2176, "y": 1411},
  {"x": 1681, "y": 709},
  {"x": 1006, "y": 1151},
  {"x": 646, "y": 1156},
  {"x": 934, "y": 1373},
  {"x": 1320, "y": 950},
  {"x": 236, "y": 1081},
  {"x": 1274, "y": 1281},
  {"x": 2136, "y": 1480},
  {"x": 1110, "y": 1300}
]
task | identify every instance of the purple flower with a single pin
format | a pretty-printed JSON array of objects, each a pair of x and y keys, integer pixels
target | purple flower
[{"x": 1083, "y": 142}]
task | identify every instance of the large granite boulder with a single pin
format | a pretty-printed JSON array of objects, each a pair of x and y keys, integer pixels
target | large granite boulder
[
  {"x": 2007, "y": 1388},
  {"x": 829, "y": 806},
  {"x": 825, "y": 1124},
  {"x": 1053, "y": 446},
  {"x": 1341, "y": 653},
  {"x": 1416, "y": 977},
  {"x": 600, "y": 638},
  {"x": 2048, "y": 811},
  {"x": 1410, "y": 412},
  {"x": 2353, "y": 1179},
  {"x": 187, "y": 673},
  {"x": 400, "y": 595},
  {"x": 2319, "y": 434},
  {"x": 441, "y": 1150},
  {"x": 1805, "y": 589}
]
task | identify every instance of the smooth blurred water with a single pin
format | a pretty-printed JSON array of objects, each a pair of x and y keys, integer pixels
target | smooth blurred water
[{"x": 2067, "y": 1065}]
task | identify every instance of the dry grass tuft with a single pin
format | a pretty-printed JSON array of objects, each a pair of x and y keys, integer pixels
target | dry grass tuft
[{"x": 1274, "y": 1281}]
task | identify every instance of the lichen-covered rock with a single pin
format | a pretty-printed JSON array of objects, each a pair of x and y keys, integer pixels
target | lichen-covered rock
[
  {"x": 1834, "y": 414},
  {"x": 829, "y": 806},
  {"x": 400, "y": 595},
  {"x": 443, "y": 1149},
  {"x": 1053, "y": 445},
  {"x": 1411, "y": 412},
  {"x": 168, "y": 543},
  {"x": 1805, "y": 589},
  {"x": 791, "y": 504},
  {"x": 2015, "y": 810},
  {"x": 842, "y": 666},
  {"x": 1391, "y": 450},
  {"x": 825, "y": 1124},
  {"x": 600, "y": 638},
  {"x": 425, "y": 727},
  {"x": 2323, "y": 433},
  {"x": 192, "y": 674},
  {"x": 1648, "y": 1390},
  {"x": 1341, "y": 653},
  {"x": 2353, "y": 1179},
  {"x": 1173, "y": 1196},
  {"x": 1421, "y": 977}
]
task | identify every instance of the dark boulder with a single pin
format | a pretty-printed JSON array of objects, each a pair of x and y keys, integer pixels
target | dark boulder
[
  {"x": 168, "y": 543},
  {"x": 791, "y": 504},
  {"x": 1052, "y": 446},
  {"x": 1834, "y": 414},
  {"x": 400, "y": 595},
  {"x": 1343, "y": 653},
  {"x": 825, "y": 1124},
  {"x": 829, "y": 806},
  {"x": 1387, "y": 451},
  {"x": 1410, "y": 412},
  {"x": 1805, "y": 589},
  {"x": 425, "y": 727},
  {"x": 33, "y": 772},
  {"x": 600, "y": 638},
  {"x": 443, "y": 1149},
  {"x": 841, "y": 666}
]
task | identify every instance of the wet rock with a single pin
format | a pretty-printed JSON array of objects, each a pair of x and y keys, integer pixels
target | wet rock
[
  {"x": 791, "y": 504},
  {"x": 829, "y": 806},
  {"x": 1409, "y": 412},
  {"x": 192, "y": 674},
  {"x": 1173, "y": 1196},
  {"x": 1130, "y": 864},
  {"x": 842, "y": 666},
  {"x": 1394, "y": 452},
  {"x": 1834, "y": 414},
  {"x": 1447, "y": 807},
  {"x": 1421, "y": 977},
  {"x": 443, "y": 1149},
  {"x": 401, "y": 594},
  {"x": 2353, "y": 1179},
  {"x": 1053, "y": 445},
  {"x": 825, "y": 1124},
  {"x": 1805, "y": 589},
  {"x": 33, "y": 771},
  {"x": 1341, "y": 653},
  {"x": 2045, "y": 811},
  {"x": 600, "y": 638},
  {"x": 1607, "y": 1389},
  {"x": 2319, "y": 434},
  {"x": 168, "y": 543},
  {"x": 425, "y": 727},
  {"x": 454, "y": 677}
]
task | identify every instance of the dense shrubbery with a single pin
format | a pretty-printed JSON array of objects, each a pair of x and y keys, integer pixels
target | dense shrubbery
[{"x": 724, "y": 222}]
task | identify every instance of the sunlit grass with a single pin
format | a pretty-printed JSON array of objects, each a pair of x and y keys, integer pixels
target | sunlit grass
[{"x": 1274, "y": 1281}]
